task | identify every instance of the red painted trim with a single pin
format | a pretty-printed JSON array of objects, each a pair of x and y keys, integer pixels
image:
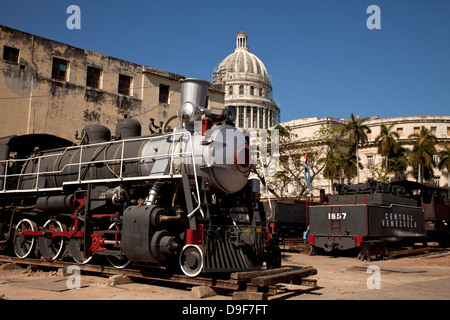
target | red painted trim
[
  {"x": 195, "y": 236},
  {"x": 311, "y": 239},
  {"x": 206, "y": 124},
  {"x": 97, "y": 242},
  {"x": 367, "y": 215}
]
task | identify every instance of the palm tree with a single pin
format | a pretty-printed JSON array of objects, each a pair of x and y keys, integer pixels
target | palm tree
[
  {"x": 444, "y": 162},
  {"x": 398, "y": 162},
  {"x": 421, "y": 155},
  {"x": 386, "y": 142},
  {"x": 357, "y": 134},
  {"x": 333, "y": 166}
]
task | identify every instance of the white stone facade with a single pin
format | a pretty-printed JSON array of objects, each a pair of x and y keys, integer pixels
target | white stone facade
[
  {"x": 248, "y": 87},
  {"x": 368, "y": 154}
]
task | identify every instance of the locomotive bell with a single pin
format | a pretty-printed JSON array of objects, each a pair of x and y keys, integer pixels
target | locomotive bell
[{"x": 193, "y": 99}]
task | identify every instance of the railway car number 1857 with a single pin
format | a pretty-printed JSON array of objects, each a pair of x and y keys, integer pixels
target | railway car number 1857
[{"x": 337, "y": 215}]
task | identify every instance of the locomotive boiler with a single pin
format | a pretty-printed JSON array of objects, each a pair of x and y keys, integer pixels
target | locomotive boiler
[{"x": 179, "y": 198}]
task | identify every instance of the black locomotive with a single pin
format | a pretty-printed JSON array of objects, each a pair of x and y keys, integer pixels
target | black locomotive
[{"x": 175, "y": 199}]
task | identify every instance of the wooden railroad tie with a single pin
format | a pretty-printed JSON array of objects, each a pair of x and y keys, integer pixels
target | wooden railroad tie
[{"x": 264, "y": 278}]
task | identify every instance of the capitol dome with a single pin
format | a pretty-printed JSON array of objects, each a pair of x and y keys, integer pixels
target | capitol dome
[
  {"x": 241, "y": 61},
  {"x": 248, "y": 87}
]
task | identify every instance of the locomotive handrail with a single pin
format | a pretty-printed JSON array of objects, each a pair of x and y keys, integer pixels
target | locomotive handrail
[
  {"x": 80, "y": 164},
  {"x": 193, "y": 165}
]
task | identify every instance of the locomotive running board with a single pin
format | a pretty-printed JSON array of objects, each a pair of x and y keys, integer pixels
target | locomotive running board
[{"x": 149, "y": 177}]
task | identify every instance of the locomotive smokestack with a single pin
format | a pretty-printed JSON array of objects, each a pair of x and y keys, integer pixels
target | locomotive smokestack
[{"x": 193, "y": 99}]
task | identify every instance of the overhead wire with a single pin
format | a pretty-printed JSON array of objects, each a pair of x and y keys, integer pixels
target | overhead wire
[{"x": 107, "y": 92}]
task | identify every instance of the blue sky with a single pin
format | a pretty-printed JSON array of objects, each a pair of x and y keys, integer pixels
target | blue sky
[{"x": 323, "y": 59}]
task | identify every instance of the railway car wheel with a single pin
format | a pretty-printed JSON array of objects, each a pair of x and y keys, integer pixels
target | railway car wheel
[
  {"x": 117, "y": 261},
  {"x": 76, "y": 250},
  {"x": 52, "y": 248},
  {"x": 312, "y": 250},
  {"x": 24, "y": 244},
  {"x": 191, "y": 260}
]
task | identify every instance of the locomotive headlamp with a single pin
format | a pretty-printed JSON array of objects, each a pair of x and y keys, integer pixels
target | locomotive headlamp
[
  {"x": 230, "y": 114},
  {"x": 189, "y": 112}
]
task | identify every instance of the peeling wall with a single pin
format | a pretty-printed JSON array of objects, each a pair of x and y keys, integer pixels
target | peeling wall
[{"x": 31, "y": 101}]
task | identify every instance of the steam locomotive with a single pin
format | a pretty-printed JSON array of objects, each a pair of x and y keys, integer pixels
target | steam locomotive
[{"x": 175, "y": 199}]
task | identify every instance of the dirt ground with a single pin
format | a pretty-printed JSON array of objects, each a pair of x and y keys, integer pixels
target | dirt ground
[{"x": 423, "y": 277}]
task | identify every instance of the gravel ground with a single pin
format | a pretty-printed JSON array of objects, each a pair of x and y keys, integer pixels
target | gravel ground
[{"x": 420, "y": 277}]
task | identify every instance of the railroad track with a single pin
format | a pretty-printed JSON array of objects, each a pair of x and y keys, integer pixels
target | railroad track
[{"x": 257, "y": 284}]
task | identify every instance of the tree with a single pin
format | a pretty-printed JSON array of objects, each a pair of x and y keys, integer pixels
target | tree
[
  {"x": 421, "y": 155},
  {"x": 357, "y": 134},
  {"x": 387, "y": 143},
  {"x": 291, "y": 172},
  {"x": 444, "y": 162},
  {"x": 398, "y": 162},
  {"x": 332, "y": 137}
]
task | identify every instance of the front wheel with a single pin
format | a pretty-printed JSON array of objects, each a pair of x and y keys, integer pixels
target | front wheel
[{"x": 191, "y": 260}]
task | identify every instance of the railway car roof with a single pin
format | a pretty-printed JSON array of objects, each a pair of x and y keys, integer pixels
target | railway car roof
[{"x": 417, "y": 185}]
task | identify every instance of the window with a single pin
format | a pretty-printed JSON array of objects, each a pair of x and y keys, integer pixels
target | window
[
  {"x": 416, "y": 130},
  {"x": 11, "y": 54},
  {"x": 433, "y": 130},
  {"x": 261, "y": 118},
  {"x": 370, "y": 161},
  {"x": 400, "y": 132},
  {"x": 266, "y": 118},
  {"x": 60, "y": 69},
  {"x": 230, "y": 90},
  {"x": 125, "y": 84},
  {"x": 241, "y": 117},
  {"x": 249, "y": 117},
  {"x": 241, "y": 89},
  {"x": 255, "y": 117},
  {"x": 437, "y": 181},
  {"x": 93, "y": 77},
  {"x": 163, "y": 93},
  {"x": 435, "y": 158},
  {"x": 448, "y": 131},
  {"x": 252, "y": 90}
]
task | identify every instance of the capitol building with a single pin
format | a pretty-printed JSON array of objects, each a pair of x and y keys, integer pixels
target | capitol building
[{"x": 248, "y": 87}]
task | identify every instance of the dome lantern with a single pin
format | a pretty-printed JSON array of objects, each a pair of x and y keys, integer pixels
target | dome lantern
[{"x": 241, "y": 41}]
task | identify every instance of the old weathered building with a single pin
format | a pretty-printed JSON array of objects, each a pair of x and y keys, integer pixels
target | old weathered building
[{"x": 51, "y": 87}]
